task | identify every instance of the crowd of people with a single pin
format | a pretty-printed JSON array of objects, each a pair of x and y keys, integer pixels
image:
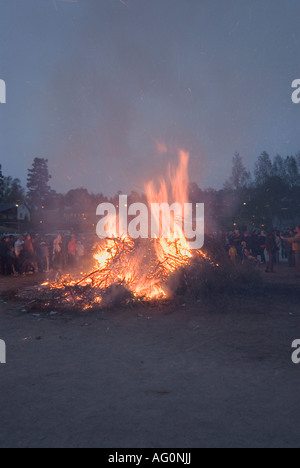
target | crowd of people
[
  {"x": 32, "y": 254},
  {"x": 267, "y": 248}
]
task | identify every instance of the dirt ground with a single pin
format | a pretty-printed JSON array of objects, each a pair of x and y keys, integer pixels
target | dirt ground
[{"x": 213, "y": 374}]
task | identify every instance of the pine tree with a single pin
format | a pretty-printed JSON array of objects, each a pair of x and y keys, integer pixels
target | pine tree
[
  {"x": 263, "y": 169},
  {"x": 37, "y": 182},
  {"x": 12, "y": 190},
  {"x": 279, "y": 167},
  {"x": 292, "y": 171},
  {"x": 239, "y": 176}
]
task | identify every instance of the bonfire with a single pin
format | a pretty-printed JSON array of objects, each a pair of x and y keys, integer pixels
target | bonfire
[{"x": 127, "y": 269}]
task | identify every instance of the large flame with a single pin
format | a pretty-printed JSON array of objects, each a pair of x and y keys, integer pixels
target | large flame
[
  {"x": 143, "y": 266},
  {"x": 172, "y": 251}
]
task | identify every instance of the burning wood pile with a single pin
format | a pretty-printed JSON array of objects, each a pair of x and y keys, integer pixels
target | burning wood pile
[{"x": 128, "y": 269}]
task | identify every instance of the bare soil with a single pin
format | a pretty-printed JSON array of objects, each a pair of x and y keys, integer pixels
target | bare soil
[{"x": 217, "y": 373}]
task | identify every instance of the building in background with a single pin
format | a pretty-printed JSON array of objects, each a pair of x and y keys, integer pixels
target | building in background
[{"x": 14, "y": 216}]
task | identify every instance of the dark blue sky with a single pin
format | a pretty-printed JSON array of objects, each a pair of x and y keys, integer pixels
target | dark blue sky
[{"x": 93, "y": 85}]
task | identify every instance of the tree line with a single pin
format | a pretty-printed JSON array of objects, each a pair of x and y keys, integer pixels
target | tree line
[{"x": 270, "y": 196}]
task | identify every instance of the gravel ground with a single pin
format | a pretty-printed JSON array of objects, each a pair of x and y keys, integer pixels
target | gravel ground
[{"x": 213, "y": 374}]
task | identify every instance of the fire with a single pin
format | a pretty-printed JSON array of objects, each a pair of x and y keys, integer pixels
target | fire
[
  {"x": 172, "y": 251},
  {"x": 143, "y": 266}
]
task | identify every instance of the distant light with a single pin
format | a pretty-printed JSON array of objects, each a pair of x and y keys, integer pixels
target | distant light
[
  {"x": 245, "y": 204},
  {"x": 17, "y": 206}
]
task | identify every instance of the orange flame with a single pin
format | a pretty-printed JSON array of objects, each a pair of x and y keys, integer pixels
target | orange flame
[{"x": 144, "y": 269}]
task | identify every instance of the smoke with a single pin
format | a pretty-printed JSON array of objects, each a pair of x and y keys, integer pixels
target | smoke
[
  {"x": 100, "y": 82},
  {"x": 112, "y": 99}
]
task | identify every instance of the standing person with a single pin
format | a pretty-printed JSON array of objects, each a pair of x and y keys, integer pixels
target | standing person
[
  {"x": 245, "y": 251},
  {"x": 289, "y": 248},
  {"x": 11, "y": 241},
  {"x": 28, "y": 246},
  {"x": 80, "y": 252},
  {"x": 278, "y": 247},
  {"x": 19, "y": 246},
  {"x": 255, "y": 244},
  {"x": 37, "y": 251},
  {"x": 271, "y": 249},
  {"x": 248, "y": 240},
  {"x": 236, "y": 241},
  {"x": 11, "y": 260},
  {"x": 64, "y": 251},
  {"x": 295, "y": 241},
  {"x": 57, "y": 253},
  {"x": 4, "y": 252},
  {"x": 72, "y": 246},
  {"x": 28, "y": 256},
  {"x": 233, "y": 254},
  {"x": 262, "y": 247},
  {"x": 284, "y": 253},
  {"x": 45, "y": 256}
]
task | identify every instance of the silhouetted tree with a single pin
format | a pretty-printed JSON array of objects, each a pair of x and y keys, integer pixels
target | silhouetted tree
[
  {"x": 37, "y": 182},
  {"x": 279, "y": 167},
  {"x": 239, "y": 176},
  {"x": 79, "y": 197},
  {"x": 263, "y": 169},
  {"x": 292, "y": 171},
  {"x": 12, "y": 190}
]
